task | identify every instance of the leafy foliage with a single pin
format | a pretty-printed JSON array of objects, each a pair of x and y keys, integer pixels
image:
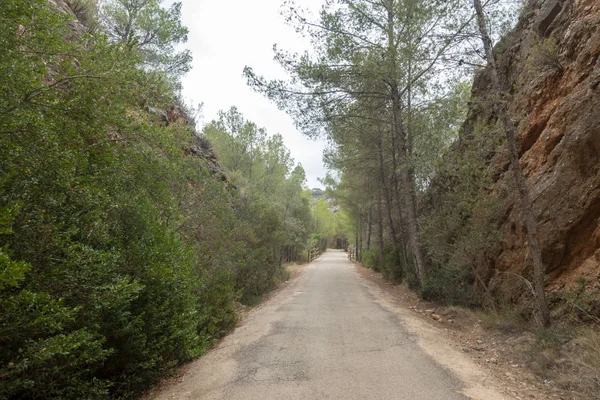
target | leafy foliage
[
  {"x": 273, "y": 189},
  {"x": 459, "y": 217},
  {"x": 121, "y": 254},
  {"x": 390, "y": 265},
  {"x": 150, "y": 29}
]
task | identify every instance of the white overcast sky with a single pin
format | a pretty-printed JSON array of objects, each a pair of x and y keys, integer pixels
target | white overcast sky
[{"x": 224, "y": 37}]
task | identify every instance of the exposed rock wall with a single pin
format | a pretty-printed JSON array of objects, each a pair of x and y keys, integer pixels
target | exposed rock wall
[{"x": 551, "y": 66}]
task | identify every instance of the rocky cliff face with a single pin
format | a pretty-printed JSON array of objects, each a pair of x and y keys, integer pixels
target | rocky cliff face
[{"x": 551, "y": 67}]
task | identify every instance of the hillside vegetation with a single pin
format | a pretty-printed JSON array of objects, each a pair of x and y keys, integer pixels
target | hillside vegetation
[{"x": 123, "y": 245}]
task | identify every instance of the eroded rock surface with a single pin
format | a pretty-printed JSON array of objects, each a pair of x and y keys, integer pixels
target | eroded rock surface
[{"x": 550, "y": 65}]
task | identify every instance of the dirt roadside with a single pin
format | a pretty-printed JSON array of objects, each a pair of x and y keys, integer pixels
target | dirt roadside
[{"x": 498, "y": 354}]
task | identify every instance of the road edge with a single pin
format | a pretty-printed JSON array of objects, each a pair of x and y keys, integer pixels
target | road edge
[{"x": 477, "y": 383}]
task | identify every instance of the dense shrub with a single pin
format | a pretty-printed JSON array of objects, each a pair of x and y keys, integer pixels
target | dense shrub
[
  {"x": 449, "y": 286},
  {"x": 121, "y": 255},
  {"x": 370, "y": 258},
  {"x": 459, "y": 219},
  {"x": 391, "y": 266}
]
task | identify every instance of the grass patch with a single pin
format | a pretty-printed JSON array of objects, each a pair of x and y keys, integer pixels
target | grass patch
[
  {"x": 586, "y": 362},
  {"x": 569, "y": 357},
  {"x": 507, "y": 320}
]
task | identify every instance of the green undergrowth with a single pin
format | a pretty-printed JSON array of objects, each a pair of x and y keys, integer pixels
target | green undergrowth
[
  {"x": 391, "y": 263},
  {"x": 121, "y": 254}
]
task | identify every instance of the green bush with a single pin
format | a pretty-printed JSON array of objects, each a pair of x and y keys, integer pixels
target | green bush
[
  {"x": 409, "y": 273},
  {"x": 459, "y": 217},
  {"x": 121, "y": 255},
  {"x": 370, "y": 259},
  {"x": 449, "y": 285},
  {"x": 391, "y": 266}
]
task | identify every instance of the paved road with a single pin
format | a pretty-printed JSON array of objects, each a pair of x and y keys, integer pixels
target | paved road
[{"x": 324, "y": 337}]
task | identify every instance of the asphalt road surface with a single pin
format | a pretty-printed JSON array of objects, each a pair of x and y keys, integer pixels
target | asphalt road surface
[{"x": 323, "y": 337}]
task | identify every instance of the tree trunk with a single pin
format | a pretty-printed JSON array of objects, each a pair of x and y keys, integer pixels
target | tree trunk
[
  {"x": 356, "y": 246},
  {"x": 386, "y": 193},
  {"x": 359, "y": 237},
  {"x": 408, "y": 192},
  {"x": 369, "y": 227},
  {"x": 402, "y": 230},
  {"x": 408, "y": 187},
  {"x": 380, "y": 228},
  {"x": 501, "y": 109}
]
